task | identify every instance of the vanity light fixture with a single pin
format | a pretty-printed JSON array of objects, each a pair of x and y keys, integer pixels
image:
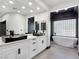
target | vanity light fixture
[
  {"x": 57, "y": 10},
  {"x": 66, "y": 8},
  {"x": 11, "y": 2}
]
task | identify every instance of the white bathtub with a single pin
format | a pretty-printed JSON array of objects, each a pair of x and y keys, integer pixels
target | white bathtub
[{"x": 65, "y": 41}]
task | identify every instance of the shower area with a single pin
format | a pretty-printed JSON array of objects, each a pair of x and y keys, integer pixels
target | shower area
[{"x": 64, "y": 27}]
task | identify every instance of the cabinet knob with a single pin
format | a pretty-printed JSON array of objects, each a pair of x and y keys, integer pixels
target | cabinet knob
[
  {"x": 33, "y": 49},
  {"x": 19, "y": 51},
  {"x": 34, "y": 39},
  {"x": 42, "y": 41},
  {"x": 34, "y": 42}
]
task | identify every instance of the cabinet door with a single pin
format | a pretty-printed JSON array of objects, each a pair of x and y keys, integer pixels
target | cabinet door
[
  {"x": 10, "y": 54},
  {"x": 33, "y": 47},
  {"x": 41, "y": 42},
  {"x": 23, "y": 51},
  {"x": 0, "y": 54}
]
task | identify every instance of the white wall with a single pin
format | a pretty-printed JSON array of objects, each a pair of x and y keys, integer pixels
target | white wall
[
  {"x": 44, "y": 17},
  {"x": 41, "y": 18},
  {"x": 65, "y": 4},
  {"x": 15, "y": 22}
]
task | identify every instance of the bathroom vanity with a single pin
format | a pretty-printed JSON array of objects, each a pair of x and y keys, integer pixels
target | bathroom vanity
[{"x": 23, "y": 49}]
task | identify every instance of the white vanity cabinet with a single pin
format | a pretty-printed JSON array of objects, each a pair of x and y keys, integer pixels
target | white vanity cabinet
[
  {"x": 0, "y": 54},
  {"x": 23, "y": 51},
  {"x": 33, "y": 47},
  {"x": 37, "y": 45},
  {"x": 41, "y": 43},
  {"x": 15, "y": 51},
  {"x": 9, "y": 52}
]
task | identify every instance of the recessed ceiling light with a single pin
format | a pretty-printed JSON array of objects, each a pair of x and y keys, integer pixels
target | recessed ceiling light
[
  {"x": 11, "y": 2},
  {"x": 57, "y": 10},
  {"x": 23, "y": 7},
  {"x": 3, "y": 6},
  {"x": 30, "y": 3},
  {"x": 66, "y": 8},
  {"x": 38, "y": 8},
  {"x": 31, "y": 11},
  {"x": 19, "y": 11}
]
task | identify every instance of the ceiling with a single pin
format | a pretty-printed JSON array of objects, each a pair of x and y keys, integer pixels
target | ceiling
[
  {"x": 26, "y": 7},
  {"x": 51, "y": 3}
]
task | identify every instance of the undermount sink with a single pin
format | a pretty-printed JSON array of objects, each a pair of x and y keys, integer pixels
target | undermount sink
[
  {"x": 38, "y": 34},
  {"x": 11, "y": 39}
]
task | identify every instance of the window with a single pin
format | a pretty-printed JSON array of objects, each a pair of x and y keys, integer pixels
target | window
[{"x": 65, "y": 28}]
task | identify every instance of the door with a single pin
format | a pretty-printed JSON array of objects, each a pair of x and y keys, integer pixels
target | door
[
  {"x": 41, "y": 42},
  {"x": 23, "y": 51},
  {"x": 9, "y": 54}
]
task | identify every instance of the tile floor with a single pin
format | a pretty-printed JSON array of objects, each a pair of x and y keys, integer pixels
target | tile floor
[{"x": 58, "y": 52}]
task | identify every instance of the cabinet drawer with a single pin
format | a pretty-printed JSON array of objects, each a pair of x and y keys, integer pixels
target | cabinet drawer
[
  {"x": 33, "y": 39},
  {"x": 34, "y": 52},
  {"x": 33, "y": 46},
  {"x": 33, "y": 43}
]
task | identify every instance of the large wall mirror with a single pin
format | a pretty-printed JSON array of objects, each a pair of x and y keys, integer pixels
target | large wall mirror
[
  {"x": 36, "y": 26},
  {"x": 43, "y": 26}
]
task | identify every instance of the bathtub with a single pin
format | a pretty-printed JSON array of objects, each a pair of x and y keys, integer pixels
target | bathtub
[{"x": 65, "y": 41}]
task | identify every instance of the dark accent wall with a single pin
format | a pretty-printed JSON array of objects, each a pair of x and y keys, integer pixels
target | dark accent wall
[
  {"x": 71, "y": 13},
  {"x": 2, "y": 28}
]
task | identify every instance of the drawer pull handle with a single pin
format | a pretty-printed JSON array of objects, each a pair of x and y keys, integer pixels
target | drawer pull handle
[
  {"x": 34, "y": 42},
  {"x": 19, "y": 51},
  {"x": 34, "y": 50},
  {"x": 42, "y": 41},
  {"x": 34, "y": 39}
]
